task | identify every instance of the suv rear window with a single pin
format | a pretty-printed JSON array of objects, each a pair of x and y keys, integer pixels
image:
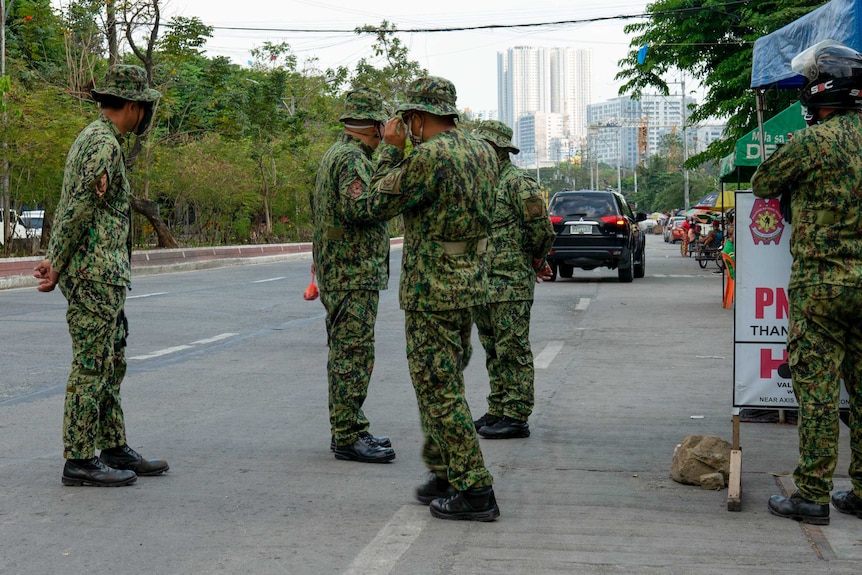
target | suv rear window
[{"x": 583, "y": 205}]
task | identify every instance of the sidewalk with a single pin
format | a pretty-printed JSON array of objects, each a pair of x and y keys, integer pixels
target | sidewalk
[{"x": 18, "y": 272}]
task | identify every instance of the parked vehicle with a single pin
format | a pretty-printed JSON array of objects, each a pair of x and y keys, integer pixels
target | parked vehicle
[
  {"x": 673, "y": 232},
  {"x": 32, "y": 221},
  {"x": 16, "y": 227},
  {"x": 596, "y": 228}
]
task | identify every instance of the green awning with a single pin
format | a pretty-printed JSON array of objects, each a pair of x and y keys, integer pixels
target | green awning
[{"x": 742, "y": 163}]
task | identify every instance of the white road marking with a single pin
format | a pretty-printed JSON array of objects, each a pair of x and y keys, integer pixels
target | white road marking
[
  {"x": 583, "y": 304},
  {"x": 161, "y": 352},
  {"x": 269, "y": 280},
  {"x": 391, "y": 542},
  {"x": 146, "y": 295},
  {"x": 176, "y": 348},
  {"x": 215, "y": 338},
  {"x": 544, "y": 359}
]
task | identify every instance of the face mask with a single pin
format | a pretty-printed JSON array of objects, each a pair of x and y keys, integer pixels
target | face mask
[
  {"x": 502, "y": 154},
  {"x": 148, "y": 117}
]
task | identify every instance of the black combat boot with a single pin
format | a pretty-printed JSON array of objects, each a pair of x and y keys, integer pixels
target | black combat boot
[
  {"x": 798, "y": 508},
  {"x": 506, "y": 428},
  {"x": 847, "y": 502},
  {"x": 476, "y": 504},
  {"x": 486, "y": 419},
  {"x": 382, "y": 441},
  {"x": 124, "y": 457},
  {"x": 366, "y": 450},
  {"x": 435, "y": 488},
  {"x": 95, "y": 472}
]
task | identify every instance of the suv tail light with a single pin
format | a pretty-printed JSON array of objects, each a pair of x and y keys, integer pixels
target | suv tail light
[
  {"x": 614, "y": 220},
  {"x": 556, "y": 219}
]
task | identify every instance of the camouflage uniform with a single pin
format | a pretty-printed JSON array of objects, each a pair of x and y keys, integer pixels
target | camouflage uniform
[
  {"x": 445, "y": 190},
  {"x": 351, "y": 256},
  {"x": 521, "y": 232},
  {"x": 822, "y": 167},
  {"x": 90, "y": 249}
]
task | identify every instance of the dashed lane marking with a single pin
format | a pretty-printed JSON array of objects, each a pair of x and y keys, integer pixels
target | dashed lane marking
[
  {"x": 176, "y": 348},
  {"x": 143, "y": 295},
  {"x": 583, "y": 304},
  {"x": 269, "y": 280},
  {"x": 381, "y": 555},
  {"x": 544, "y": 359}
]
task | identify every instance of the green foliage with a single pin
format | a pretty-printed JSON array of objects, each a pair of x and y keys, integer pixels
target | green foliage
[
  {"x": 710, "y": 41},
  {"x": 397, "y": 70}
]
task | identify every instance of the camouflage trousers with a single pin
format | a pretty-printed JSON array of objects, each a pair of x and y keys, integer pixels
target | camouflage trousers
[
  {"x": 438, "y": 350},
  {"x": 93, "y": 415},
  {"x": 350, "y": 318},
  {"x": 824, "y": 343},
  {"x": 504, "y": 330}
]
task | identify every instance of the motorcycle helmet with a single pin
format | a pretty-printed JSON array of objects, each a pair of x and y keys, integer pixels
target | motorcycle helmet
[{"x": 834, "y": 74}]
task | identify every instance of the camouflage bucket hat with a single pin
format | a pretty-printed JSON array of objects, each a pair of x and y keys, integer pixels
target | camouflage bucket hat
[
  {"x": 364, "y": 104},
  {"x": 432, "y": 94},
  {"x": 128, "y": 83},
  {"x": 497, "y": 133}
]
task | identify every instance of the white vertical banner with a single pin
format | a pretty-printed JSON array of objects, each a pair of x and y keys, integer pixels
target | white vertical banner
[{"x": 761, "y": 375}]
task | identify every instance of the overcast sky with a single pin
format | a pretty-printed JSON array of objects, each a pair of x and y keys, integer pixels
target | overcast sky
[{"x": 468, "y": 58}]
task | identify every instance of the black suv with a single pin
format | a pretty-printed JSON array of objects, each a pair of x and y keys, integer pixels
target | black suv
[{"x": 596, "y": 228}]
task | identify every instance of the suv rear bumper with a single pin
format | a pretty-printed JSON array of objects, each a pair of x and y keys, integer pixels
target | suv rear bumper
[{"x": 591, "y": 257}]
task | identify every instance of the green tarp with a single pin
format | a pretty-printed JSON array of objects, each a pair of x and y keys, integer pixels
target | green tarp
[{"x": 741, "y": 164}]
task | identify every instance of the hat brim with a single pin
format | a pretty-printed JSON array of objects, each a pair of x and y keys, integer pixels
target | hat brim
[
  {"x": 367, "y": 116},
  {"x": 444, "y": 110},
  {"x": 148, "y": 95},
  {"x": 499, "y": 141}
]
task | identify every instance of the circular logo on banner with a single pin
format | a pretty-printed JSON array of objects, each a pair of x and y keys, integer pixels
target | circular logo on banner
[{"x": 766, "y": 222}]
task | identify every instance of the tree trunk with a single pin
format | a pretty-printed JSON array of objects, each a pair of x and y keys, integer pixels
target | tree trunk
[
  {"x": 111, "y": 32},
  {"x": 148, "y": 209}
]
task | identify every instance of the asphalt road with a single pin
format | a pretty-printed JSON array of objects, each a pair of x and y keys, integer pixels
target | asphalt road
[{"x": 227, "y": 382}]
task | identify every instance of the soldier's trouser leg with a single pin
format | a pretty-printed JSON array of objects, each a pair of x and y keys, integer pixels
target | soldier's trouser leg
[
  {"x": 852, "y": 371},
  {"x": 350, "y": 318},
  {"x": 504, "y": 330},
  {"x": 93, "y": 413},
  {"x": 823, "y": 338},
  {"x": 438, "y": 345}
]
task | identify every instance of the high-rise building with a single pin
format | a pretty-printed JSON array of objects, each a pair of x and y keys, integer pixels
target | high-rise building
[
  {"x": 552, "y": 82},
  {"x": 619, "y": 125}
]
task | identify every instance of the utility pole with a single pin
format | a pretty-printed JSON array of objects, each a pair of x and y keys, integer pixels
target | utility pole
[
  {"x": 684, "y": 142},
  {"x": 4, "y": 84}
]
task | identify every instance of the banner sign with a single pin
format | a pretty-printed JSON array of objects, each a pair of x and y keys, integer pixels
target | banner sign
[{"x": 762, "y": 250}]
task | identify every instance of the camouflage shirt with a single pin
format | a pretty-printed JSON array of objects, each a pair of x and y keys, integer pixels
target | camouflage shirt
[
  {"x": 521, "y": 231},
  {"x": 351, "y": 250},
  {"x": 91, "y": 237},
  {"x": 821, "y": 166},
  {"x": 445, "y": 190}
]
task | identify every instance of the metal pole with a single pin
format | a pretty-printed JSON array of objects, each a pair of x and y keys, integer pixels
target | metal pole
[
  {"x": 619, "y": 158},
  {"x": 5, "y": 191},
  {"x": 684, "y": 144}
]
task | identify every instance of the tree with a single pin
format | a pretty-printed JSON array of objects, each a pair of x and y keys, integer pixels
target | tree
[
  {"x": 710, "y": 41},
  {"x": 397, "y": 72}
]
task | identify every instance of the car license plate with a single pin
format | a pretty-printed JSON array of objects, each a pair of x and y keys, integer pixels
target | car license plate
[{"x": 581, "y": 229}]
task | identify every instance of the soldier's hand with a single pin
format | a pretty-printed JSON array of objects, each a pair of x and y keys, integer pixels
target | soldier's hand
[
  {"x": 544, "y": 273},
  {"x": 395, "y": 133},
  {"x": 46, "y": 275}
]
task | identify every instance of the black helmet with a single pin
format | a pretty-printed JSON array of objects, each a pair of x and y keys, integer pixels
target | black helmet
[{"x": 834, "y": 73}]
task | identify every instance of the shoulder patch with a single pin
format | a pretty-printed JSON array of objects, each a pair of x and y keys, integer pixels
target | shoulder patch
[
  {"x": 534, "y": 208},
  {"x": 391, "y": 184}
]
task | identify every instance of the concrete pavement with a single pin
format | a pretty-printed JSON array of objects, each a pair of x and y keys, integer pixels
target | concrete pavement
[{"x": 627, "y": 371}]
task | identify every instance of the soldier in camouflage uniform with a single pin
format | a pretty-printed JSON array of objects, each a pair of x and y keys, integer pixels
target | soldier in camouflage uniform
[
  {"x": 89, "y": 256},
  {"x": 351, "y": 261},
  {"x": 819, "y": 174},
  {"x": 521, "y": 236},
  {"x": 445, "y": 190}
]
